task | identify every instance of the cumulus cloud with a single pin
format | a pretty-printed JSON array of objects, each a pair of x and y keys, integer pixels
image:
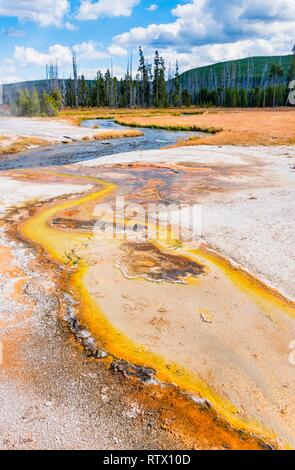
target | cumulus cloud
[
  {"x": 89, "y": 50},
  {"x": 207, "y": 54},
  {"x": 201, "y": 22},
  {"x": 105, "y": 8},
  {"x": 28, "y": 56},
  {"x": 206, "y": 31},
  {"x": 45, "y": 12},
  {"x": 117, "y": 50}
]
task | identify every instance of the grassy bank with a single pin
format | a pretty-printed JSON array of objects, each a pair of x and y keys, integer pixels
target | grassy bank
[
  {"x": 273, "y": 126},
  {"x": 255, "y": 126},
  {"x": 108, "y": 135},
  {"x": 11, "y": 146},
  {"x": 170, "y": 127},
  {"x": 75, "y": 116}
]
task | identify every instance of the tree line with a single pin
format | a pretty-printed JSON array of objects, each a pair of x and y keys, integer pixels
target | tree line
[
  {"x": 32, "y": 103},
  {"x": 153, "y": 86},
  {"x": 146, "y": 89},
  {"x": 271, "y": 89}
]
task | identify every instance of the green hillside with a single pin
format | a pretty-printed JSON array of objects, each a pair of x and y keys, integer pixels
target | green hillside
[
  {"x": 254, "y": 81},
  {"x": 249, "y": 82},
  {"x": 254, "y": 71}
]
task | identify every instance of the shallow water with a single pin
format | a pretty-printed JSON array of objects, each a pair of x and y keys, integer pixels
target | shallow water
[{"x": 64, "y": 154}]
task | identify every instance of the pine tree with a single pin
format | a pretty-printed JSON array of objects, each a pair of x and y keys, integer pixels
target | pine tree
[
  {"x": 163, "y": 97},
  {"x": 35, "y": 104},
  {"x": 23, "y": 102},
  {"x": 70, "y": 97},
  {"x": 101, "y": 91},
  {"x": 186, "y": 98},
  {"x": 108, "y": 88},
  {"x": 84, "y": 94},
  {"x": 48, "y": 105},
  {"x": 176, "y": 97},
  {"x": 57, "y": 98},
  {"x": 156, "y": 79},
  {"x": 243, "y": 98},
  {"x": 144, "y": 92}
]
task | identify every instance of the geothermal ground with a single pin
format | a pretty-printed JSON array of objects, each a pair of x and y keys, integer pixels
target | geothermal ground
[{"x": 185, "y": 345}]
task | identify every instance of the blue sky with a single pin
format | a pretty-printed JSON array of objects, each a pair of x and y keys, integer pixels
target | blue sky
[{"x": 196, "y": 32}]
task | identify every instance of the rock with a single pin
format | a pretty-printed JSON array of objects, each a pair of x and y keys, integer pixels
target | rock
[
  {"x": 84, "y": 334},
  {"x": 201, "y": 402},
  {"x": 100, "y": 354},
  {"x": 145, "y": 374}
]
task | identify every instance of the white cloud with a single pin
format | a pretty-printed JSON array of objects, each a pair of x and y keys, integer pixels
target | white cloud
[
  {"x": 206, "y": 31},
  {"x": 117, "y": 51},
  {"x": 152, "y": 7},
  {"x": 8, "y": 73},
  {"x": 27, "y": 56},
  {"x": 207, "y": 54},
  {"x": 201, "y": 22},
  {"x": 105, "y": 8},
  {"x": 70, "y": 27},
  {"x": 45, "y": 12},
  {"x": 6, "y": 78},
  {"x": 87, "y": 50}
]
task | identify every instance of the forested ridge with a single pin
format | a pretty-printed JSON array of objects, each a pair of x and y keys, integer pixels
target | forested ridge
[{"x": 249, "y": 82}]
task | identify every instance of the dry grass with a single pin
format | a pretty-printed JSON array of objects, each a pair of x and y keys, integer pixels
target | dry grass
[
  {"x": 235, "y": 126},
  {"x": 75, "y": 116},
  {"x": 20, "y": 144},
  {"x": 114, "y": 135},
  {"x": 228, "y": 126},
  {"x": 163, "y": 123}
]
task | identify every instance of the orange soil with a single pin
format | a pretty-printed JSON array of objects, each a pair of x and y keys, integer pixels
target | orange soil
[{"x": 197, "y": 427}]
